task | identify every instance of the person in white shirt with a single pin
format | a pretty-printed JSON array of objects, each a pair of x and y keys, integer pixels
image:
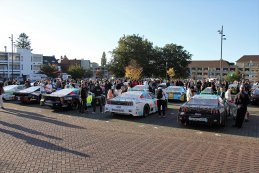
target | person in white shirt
[
  {"x": 189, "y": 93},
  {"x": 48, "y": 87},
  {"x": 228, "y": 95}
]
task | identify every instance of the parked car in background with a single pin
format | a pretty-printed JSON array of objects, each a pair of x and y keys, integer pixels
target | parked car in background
[
  {"x": 31, "y": 94},
  {"x": 176, "y": 93},
  {"x": 208, "y": 90},
  {"x": 135, "y": 103},
  {"x": 255, "y": 96},
  {"x": 203, "y": 109},
  {"x": 9, "y": 91},
  {"x": 139, "y": 88}
]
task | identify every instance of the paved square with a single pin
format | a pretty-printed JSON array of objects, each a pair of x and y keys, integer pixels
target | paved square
[{"x": 37, "y": 139}]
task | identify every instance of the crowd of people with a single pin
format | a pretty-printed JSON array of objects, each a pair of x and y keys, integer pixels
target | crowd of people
[{"x": 114, "y": 87}]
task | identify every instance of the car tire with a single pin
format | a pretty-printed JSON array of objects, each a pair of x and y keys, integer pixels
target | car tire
[
  {"x": 223, "y": 121},
  {"x": 74, "y": 105},
  {"x": 184, "y": 123},
  {"x": 145, "y": 111}
]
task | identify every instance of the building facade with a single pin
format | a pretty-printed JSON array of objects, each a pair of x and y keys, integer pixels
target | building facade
[
  {"x": 248, "y": 65},
  {"x": 210, "y": 69},
  {"x": 21, "y": 62}
]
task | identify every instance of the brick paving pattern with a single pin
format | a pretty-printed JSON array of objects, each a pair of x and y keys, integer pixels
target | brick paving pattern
[{"x": 36, "y": 139}]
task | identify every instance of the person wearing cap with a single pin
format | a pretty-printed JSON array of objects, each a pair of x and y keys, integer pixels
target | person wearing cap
[{"x": 241, "y": 100}]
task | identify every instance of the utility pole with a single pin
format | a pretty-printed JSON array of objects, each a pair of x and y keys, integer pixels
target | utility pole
[
  {"x": 222, "y": 37},
  {"x": 12, "y": 53}
]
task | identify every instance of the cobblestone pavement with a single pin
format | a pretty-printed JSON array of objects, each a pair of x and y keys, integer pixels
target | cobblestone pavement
[{"x": 37, "y": 139}]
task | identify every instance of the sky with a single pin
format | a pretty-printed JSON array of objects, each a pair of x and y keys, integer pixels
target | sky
[{"x": 84, "y": 29}]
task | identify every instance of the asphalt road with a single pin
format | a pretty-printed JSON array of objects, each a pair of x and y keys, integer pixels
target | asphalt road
[{"x": 38, "y": 139}]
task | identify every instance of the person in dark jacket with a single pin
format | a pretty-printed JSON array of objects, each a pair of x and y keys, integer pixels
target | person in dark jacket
[
  {"x": 97, "y": 97},
  {"x": 1, "y": 94},
  {"x": 83, "y": 94},
  {"x": 241, "y": 100}
]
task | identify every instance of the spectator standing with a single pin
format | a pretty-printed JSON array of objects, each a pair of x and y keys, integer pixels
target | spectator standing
[
  {"x": 241, "y": 100},
  {"x": 161, "y": 102},
  {"x": 98, "y": 97},
  {"x": 83, "y": 93},
  {"x": 189, "y": 93},
  {"x": 1, "y": 95}
]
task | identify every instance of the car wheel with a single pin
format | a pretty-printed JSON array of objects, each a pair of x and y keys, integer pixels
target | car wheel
[
  {"x": 145, "y": 111},
  {"x": 74, "y": 105},
  {"x": 184, "y": 123},
  {"x": 223, "y": 121}
]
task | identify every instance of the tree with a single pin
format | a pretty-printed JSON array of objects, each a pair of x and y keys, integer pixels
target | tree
[
  {"x": 23, "y": 42},
  {"x": 176, "y": 57},
  {"x": 233, "y": 76},
  {"x": 171, "y": 73},
  {"x": 131, "y": 47},
  {"x": 99, "y": 73},
  {"x": 49, "y": 70},
  {"x": 76, "y": 71},
  {"x": 152, "y": 60},
  {"x": 103, "y": 60},
  {"x": 133, "y": 71}
]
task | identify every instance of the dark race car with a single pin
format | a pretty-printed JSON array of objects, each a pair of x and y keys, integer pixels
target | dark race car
[
  {"x": 65, "y": 98},
  {"x": 31, "y": 94},
  {"x": 203, "y": 109}
]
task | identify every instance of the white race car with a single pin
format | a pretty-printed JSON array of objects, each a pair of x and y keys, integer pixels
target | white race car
[
  {"x": 9, "y": 91},
  {"x": 135, "y": 103}
]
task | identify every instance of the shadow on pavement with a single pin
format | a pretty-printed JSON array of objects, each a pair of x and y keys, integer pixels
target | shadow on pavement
[
  {"x": 41, "y": 143},
  {"x": 38, "y": 117},
  {"x": 249, "y": 129},
  {"x": 27, "y": 130}
]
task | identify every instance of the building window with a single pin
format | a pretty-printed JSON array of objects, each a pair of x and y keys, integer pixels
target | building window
[
  {"x": 206, "y": 68},
  {"x": 225, "y": 69},
  {"x": 199, "y": 69},
  {"x": 217, "y": 69},
  {"x": 246, "y": 69}
]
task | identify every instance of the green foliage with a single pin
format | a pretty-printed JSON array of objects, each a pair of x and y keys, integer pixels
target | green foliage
[
  {"x": 132, "y": 47},
  {"x": 152, "y": 60},
  {"x": 232, "y": 76},
  {"x": 103, "y": 60},
  {"x": 76, "y": 71},
  {"x": 23, "y": 41},
  {"x": 178, "y": 58},
  {"x": 49, "y": 70}
]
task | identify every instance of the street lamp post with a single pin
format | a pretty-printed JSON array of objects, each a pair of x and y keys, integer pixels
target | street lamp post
[
  {"x": 12, "y": 53},
  {"x": 222, "y": 37}
]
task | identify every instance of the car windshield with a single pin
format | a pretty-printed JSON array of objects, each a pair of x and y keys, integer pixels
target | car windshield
[
  {"x": 174, "y": 89},
  {"x": 31, "y": 89},
  {"x": 203, "y": 102},
  {"x": 207, "y": 90},
  {"x": 64, "y": 92},
  {"x": 130, "y": 95},
  {"x": 139, "y": 88}
]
